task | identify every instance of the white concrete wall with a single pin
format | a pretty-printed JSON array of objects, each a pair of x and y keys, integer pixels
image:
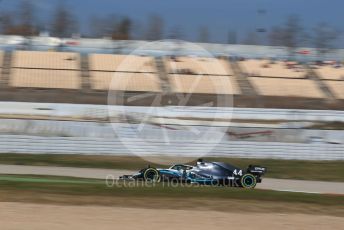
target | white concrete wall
[
  {"x": 103, "y": 111},
  {"x": 111, "y": 146}
]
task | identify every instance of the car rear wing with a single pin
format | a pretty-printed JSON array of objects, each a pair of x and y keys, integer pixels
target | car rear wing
[{"x": 256, "y": 170}]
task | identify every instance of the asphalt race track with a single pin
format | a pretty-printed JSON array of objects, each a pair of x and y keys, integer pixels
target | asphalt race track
[{"x": 270, "y": 184}]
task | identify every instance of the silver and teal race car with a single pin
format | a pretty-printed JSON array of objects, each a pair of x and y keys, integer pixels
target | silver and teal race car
[{"x": 207, "y": 173}]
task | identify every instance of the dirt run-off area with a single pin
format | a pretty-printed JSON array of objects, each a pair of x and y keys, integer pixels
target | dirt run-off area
[{"x": 55, "y": 217}]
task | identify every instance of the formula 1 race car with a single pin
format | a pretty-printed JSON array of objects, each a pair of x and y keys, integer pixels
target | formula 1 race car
[{"x": 207, "y": 173}]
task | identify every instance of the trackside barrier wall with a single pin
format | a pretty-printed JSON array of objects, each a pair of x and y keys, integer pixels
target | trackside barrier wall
[
  {"x": 103, "y": 111},
  {"x": 114, "y": 146}
]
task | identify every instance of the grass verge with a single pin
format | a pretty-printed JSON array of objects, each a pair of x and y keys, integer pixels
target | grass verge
[{"x": 62, "y": 190}]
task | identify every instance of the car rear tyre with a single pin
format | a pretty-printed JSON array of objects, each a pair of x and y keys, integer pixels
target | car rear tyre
[
  {"x": 151, "y": 175},
  {"x": 248, "y": 181}
]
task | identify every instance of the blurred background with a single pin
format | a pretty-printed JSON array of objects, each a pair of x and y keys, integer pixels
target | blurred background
[
  {"x": 281, "y": 69},
  {"x": 96, "y": 88}
]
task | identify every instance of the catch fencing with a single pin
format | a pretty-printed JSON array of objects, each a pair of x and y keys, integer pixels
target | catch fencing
[{"x": 166, "y": 47}]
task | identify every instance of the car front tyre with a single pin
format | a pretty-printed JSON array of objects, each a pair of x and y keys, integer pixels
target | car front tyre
[{"x": 151, "y": 175}]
